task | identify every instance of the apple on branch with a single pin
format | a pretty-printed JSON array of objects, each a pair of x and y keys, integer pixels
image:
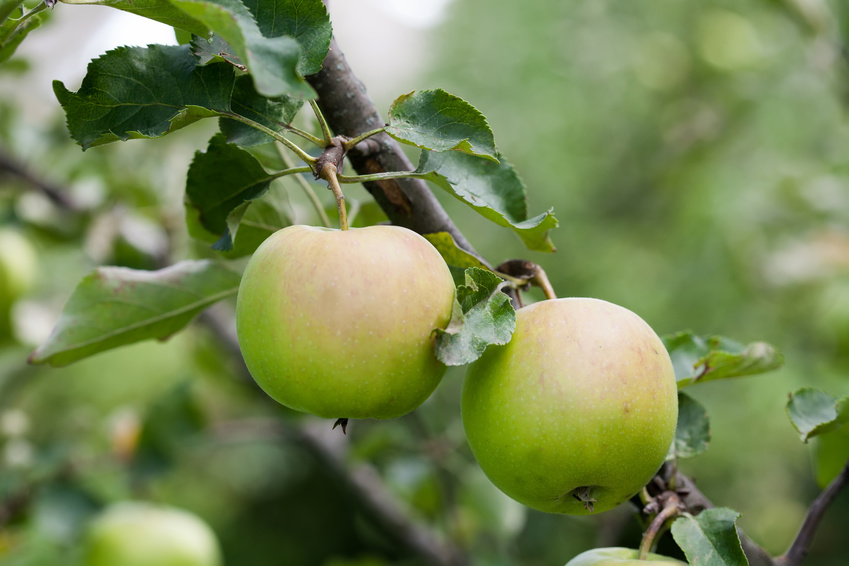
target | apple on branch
[
  {"x": 340, "y": 323},
  {"x": 617, "y": 556},
  {"x": 577, "y": 413},
  {"x": 144, "y": 534}
]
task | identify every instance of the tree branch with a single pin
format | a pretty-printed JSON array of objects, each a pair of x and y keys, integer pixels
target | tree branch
[
  {"x": 695, "y": 502},
  {"x": 56, "y": 194},
  {"x": 361, "y": 481},
  {"x": 799, "y": 549},
  {"x": 349, "y": 111}
]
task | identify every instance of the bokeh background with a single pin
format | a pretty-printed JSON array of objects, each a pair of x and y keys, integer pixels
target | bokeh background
[{"x": 694, "y": 152}]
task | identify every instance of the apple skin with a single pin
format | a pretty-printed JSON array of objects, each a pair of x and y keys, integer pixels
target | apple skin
[
  {"x": 143, "y": 534},
  {"x": 18, "y": 271},
  {"x": 617, "y": 556},
  {"x": 340, "y": 323},
  {"x": 582, "y": 399}
]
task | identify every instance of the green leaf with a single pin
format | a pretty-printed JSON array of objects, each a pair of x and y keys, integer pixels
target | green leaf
[
  {"x": 249, "y": 224},
  {"x": 182, "y": 36},
  {"x": 482, "y": 316},
  {"x": 9, "y": 8},
  {"x": 710, "y": 539},
  {"x": 452, "y": 253},
  {"x": 306, "y": 21},
  {"x": 273, "y": 58},
  {"x": 273, "y": 113},
  {"x": 697, "y": 359},
  {"x": 492, "y": 189},
  {"x": 439, "y": 121},
  {"x": 136, "y": 92},
  {"x": 814, "y": 412},
  {"x": 692, "y": 435},
  {"x": 157, "y": 10},
  {"x": 831, "y": 453},
  {"x": 114, "y": 306},
  {"x": 220, "y": 180},
  {"x": 256, "y": 220},
  {"x": 14, "y": 30},
  {"x": 214, "y": 50}
]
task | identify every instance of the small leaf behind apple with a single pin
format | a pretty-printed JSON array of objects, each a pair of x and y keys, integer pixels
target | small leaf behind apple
[
  {"x": 221, "y": 186},
  {"x": 815, "y": 412},
  {"x": 697, "y": 359},
  {"x": 482, "y": 316},
  {"x": 453, "y": 254},
  {"x": 692, "y": 435},
  {"x": 710, "y": 538}
]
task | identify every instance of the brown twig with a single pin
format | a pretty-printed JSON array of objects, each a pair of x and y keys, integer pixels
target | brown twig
[
  {"x": 350, "y": 112},
  {"x": 56, "y": 194},
  {"x": 695, "y": 502},
  {"x": 671, "y": 506},
  {"x": 361, "y": 480},
  {"x": 799, "y": 549}
]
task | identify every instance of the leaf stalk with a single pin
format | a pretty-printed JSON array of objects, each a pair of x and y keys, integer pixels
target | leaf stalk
[
  {"x": 292, "y": 146},
  {"x": 325, "y": 129},
  {"x": 354, "y": 141}
]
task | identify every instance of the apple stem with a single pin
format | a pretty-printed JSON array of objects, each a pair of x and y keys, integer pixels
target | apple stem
[
  {"x": 520, "y": 273},
  {"x": 672, "y": 507},
  {"x": 540, "y": 279},
  {"x": 328, "y": 173}
]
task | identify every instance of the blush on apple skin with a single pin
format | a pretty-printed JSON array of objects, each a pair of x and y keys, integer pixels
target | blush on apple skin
[
  {"x": 576, "y": 414},
  {"x": 341, "y": 324}
]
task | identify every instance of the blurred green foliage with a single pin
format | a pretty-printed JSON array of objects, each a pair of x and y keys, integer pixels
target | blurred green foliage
[{"x": 695, "y": 154}]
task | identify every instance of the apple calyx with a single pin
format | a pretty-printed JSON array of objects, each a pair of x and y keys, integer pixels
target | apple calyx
[
  {"x": 584, "y": 495},
  {"x": 342, "y": 422}
]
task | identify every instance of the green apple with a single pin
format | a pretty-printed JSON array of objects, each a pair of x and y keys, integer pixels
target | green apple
[
  {"x": 617, "y": 556},
  {"x": 577, "y": 412},
  {"x": 18, "y": 267},
  {"x": 143, "y": 534},
  {"x": 341, "y": 323}
]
